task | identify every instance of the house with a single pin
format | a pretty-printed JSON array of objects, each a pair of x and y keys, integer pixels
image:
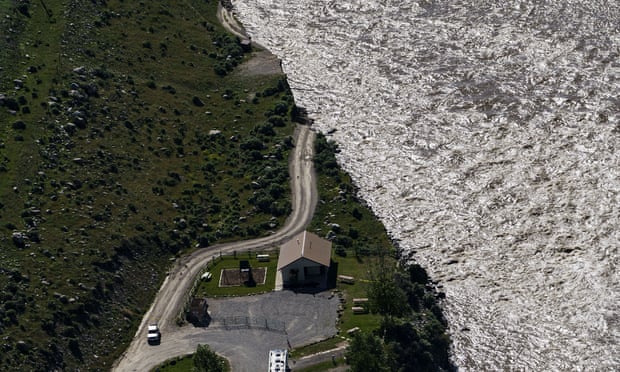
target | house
[{"x": 304, "y": 260}]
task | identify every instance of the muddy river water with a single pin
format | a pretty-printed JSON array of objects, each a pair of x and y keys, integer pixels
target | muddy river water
[{"x": 486, "y": 136}]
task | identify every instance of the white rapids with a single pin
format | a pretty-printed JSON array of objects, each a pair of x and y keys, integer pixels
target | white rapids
[{"x": 486, "y": 136}]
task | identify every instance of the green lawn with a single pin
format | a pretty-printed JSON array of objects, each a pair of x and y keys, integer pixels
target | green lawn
[
  {"x": 126, "y": 146},
  {"x": 324, "y": 366},
  {"x": 359, "y": 269},
  {"x": 330, "y": 343},
  {"x": 212, "y": 288},
  {"x": 179, "y": 364}
]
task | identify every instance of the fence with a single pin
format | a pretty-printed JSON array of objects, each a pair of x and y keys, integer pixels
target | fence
[{"x": 247, "y": 322}]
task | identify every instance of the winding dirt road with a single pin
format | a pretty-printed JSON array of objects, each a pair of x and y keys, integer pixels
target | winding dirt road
[{"x": 170, "y": 299}]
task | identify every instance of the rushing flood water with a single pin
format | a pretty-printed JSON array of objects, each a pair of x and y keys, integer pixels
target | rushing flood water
[{"x": 486, "y": 136}]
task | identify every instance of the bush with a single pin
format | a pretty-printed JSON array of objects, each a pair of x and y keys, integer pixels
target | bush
[
  {"x": 265, "y": 129},
  {"x": 252, "y": 143},
  {"x": 281, "y": 108},
  {"x": 19, "y": 125},
  {"x": 206, "y": 359},
  {"x": 341, "y": 251},
  {"x": 277, "y": 121}
]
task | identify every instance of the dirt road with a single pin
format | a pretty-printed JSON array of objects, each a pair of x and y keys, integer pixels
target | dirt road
[{"x": 171, "y": 296}]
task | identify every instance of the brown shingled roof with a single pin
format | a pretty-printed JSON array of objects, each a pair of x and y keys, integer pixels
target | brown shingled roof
[{"x": 306, "y": 245}]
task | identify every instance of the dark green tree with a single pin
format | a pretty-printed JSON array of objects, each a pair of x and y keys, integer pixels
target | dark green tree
[
  {"x": 206, "y": 360},
  {"x": 385, "y": 296},
  {"x": 366, "y": 353}
]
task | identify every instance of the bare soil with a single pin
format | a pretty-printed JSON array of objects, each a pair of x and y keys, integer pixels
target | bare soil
[
  {"x": 261, "y": 63},
  {"x": 234, "y": 277}
]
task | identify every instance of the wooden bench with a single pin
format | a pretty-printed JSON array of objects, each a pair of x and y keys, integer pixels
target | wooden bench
[
  {"x": 353, "y": 330},
  {"x": 262, "y": 257},
  {"x": 359, "y": 310},
  {"x": 360, "y": 301},
  {"x": 346, "y": 279}
]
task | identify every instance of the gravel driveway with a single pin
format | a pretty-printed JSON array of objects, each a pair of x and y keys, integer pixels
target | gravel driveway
[{"x": 244, "y": 329}]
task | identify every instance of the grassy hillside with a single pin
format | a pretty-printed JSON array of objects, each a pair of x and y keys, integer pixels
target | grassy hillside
[{"x": 127, "y": 137}]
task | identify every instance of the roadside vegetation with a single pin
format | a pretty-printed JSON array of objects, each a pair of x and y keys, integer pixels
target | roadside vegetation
[
  {"x": 402, "y": 327},
  {"x": 128, "y": 138},
  {"x": 203, "y": 360}
]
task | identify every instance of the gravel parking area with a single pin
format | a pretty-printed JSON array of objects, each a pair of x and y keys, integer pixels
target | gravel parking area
[{"x": 305, "y": 318}]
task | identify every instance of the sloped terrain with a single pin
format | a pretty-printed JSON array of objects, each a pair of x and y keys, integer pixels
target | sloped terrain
[{"x": 127, "y": 138}]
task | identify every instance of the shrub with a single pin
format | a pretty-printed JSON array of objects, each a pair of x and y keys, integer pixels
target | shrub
[
  {"x": 277, "y": 121},
  {"x": 19, "y": 125},
  {"x": 341, "y": 251},
  {"x": 265, "y": 129},
  {"x": 252, "y": 143}
]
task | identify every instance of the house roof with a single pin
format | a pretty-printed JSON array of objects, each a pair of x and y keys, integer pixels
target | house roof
[{"x": 305, "y": 245}]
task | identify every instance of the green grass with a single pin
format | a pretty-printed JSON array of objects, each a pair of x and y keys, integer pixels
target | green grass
[
  {"x": 358, "y": 268},
  {"x": 179, "y": 364},
  {"x": 151, "y": 181},
  {"x": 329, "y": 344},
  {"x": 324, "y": 366},
  {"x": 212, "y": 288}
]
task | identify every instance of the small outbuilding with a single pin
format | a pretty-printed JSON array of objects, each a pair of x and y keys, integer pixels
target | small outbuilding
[
  {"x": 305, "y": 260},
  {"x": 198, "y": 314}
]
